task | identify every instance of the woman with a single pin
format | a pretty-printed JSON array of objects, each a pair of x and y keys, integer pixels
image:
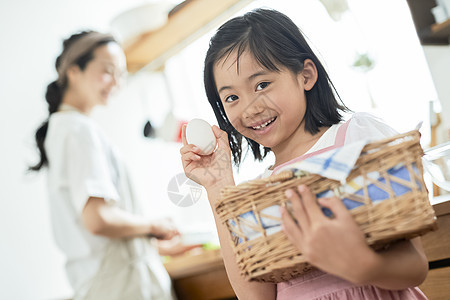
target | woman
[{"x": 95, "y": 217}]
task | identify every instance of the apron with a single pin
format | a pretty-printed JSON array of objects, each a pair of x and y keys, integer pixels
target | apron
[
  {"x": 127, "y": 273},
  {"x": 130, "y": 269}
]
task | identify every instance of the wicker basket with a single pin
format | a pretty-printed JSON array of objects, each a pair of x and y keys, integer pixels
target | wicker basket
[{"x": 271, "y": 257}]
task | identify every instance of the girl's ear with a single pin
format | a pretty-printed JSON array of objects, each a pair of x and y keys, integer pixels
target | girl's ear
[{"x": 309, "y": 74}]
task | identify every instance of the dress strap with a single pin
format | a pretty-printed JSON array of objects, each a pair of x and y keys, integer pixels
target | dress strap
[
  {"x": 338, "y": 142},
  {"x": 341, "y": 134}
]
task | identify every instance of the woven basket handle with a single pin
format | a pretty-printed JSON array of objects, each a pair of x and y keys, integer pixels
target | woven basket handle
[{"x": 283, "y": 176}]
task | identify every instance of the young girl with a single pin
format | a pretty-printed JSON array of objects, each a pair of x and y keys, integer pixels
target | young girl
[
  {"x": 97, "y": 221},
  {"x": 266, "y": 85}
]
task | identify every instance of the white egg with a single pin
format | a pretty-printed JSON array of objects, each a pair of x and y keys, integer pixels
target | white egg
[{"x": 199, "y": 133}]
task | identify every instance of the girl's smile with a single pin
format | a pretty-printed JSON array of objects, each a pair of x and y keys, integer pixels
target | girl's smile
[{"x": 262, "y": 127}]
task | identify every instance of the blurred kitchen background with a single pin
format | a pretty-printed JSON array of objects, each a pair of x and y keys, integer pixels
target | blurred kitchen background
[{"x": 371, "y": 48}]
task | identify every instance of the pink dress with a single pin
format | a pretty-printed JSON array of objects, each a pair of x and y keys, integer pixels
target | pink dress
[{"x": 315, "y": 284}]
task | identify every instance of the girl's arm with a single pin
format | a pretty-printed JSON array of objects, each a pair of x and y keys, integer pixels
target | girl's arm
[
  {"x": 243, "y": 288},
  {"x": 110, "y": 221},
  {"x": 214, "y": 172},
  {"x": 403, "y": 265},
  {"x": 338, "y": 246}
]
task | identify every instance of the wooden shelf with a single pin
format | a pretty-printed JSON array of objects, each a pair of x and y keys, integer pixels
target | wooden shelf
[
  {"x": 193, "y": 19},
  {"x": 441, "y": 29},
  {"x": 428, "y": 31}
]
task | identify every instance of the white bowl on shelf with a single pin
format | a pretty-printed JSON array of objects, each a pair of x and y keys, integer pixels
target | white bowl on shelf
[{"x": 133, "y": 22}]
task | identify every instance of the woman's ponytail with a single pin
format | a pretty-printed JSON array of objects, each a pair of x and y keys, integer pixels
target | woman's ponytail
[
  {"x": 40, "y": 139},
  {"x": 54, "y": 98}
]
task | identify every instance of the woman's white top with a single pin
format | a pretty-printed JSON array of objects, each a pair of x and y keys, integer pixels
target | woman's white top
[{"x": 83, "y": 164}]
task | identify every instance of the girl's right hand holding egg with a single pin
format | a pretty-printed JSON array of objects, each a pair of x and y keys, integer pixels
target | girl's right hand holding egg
[{"x": 212, "y": 171}]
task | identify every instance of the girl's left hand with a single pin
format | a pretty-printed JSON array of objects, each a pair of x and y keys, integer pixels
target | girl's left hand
[{"x": 334, "y": 245}]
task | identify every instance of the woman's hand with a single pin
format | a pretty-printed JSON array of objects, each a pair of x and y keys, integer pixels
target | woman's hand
[
  {"x": 174, "y": 246},
  {"x": 337, "y": 245},
  {"x": 163, "y": 229},
  {"x": 208, "y": 170}
]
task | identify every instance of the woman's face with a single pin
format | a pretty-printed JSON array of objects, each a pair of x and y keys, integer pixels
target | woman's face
[
  {"x": 265, "y": 106},
  {"x": 102, "y": 75}
]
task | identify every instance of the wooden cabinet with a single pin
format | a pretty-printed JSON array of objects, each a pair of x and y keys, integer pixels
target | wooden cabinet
[
  {"x": 437, "y": 284},
  {"x": 437, "y": 249}
]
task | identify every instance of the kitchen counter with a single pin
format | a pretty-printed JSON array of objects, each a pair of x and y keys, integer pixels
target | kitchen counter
[{"x": 200, "y": 275}]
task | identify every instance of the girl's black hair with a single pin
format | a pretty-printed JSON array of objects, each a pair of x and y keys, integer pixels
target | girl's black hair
[
  {"x": 274, "y": 40},
  {"x": 55, "y": 92}
]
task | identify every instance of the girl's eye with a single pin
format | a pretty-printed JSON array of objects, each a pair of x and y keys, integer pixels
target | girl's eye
[
  {"x": 231, "y": 98},
  {"x": 262, "y": 85}
]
